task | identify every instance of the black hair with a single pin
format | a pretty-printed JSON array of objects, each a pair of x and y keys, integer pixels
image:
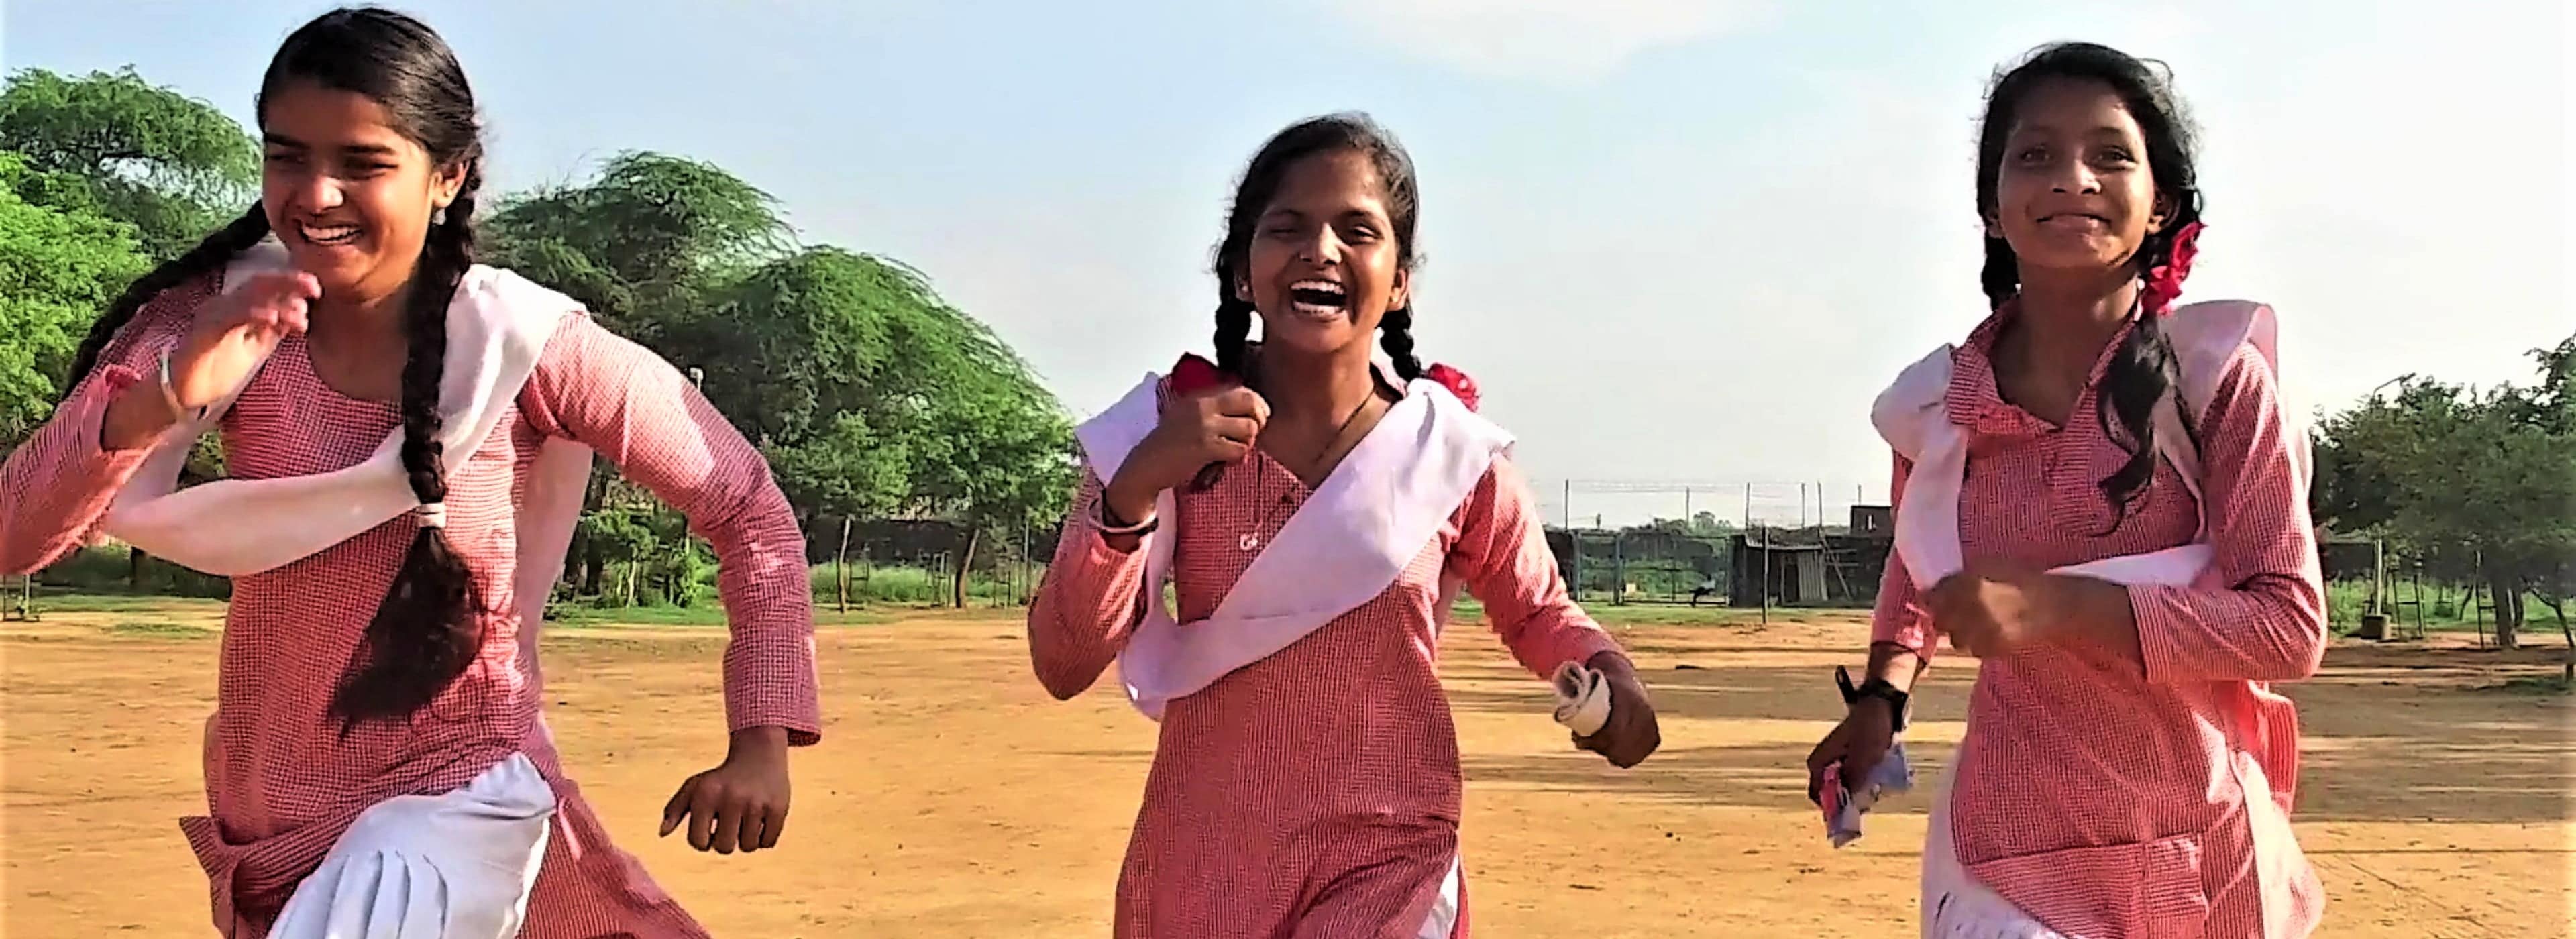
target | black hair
[
  {"x": 428, "y": 629},
  {"x": 1332, "y": 133},
  {"x": 2142, "y": 371}
]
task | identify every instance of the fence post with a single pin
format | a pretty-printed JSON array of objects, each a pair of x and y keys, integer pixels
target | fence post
[{"x": 841, "y": 564}]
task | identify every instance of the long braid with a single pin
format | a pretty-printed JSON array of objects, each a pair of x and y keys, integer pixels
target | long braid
[
  {"x": 1398, "y": 342},
  {"x": 429, "y": 627},
  {"x": 1233, "y": 313},
  {"x": 218, "y": 248}
]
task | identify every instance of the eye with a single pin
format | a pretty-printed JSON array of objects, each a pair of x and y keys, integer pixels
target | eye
[
  {"x": 2030, "y": 155},
  {"x": 1360, "y": 234},
  {"x": 284, "y": 158}
]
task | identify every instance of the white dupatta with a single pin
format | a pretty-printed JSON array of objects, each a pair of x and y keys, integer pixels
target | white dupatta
[
  {"x": 497, "y": 327},
  {"x": 1361, "y": 527},
  {"x": 1912, "y": 416}
]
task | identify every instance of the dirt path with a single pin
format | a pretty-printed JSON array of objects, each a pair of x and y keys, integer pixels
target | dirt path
[{"x": 953, "y": 798}]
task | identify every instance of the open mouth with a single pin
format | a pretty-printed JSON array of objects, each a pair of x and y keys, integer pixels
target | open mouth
[
  {"x": 1318, "y": 298},
  {"x": 327, "y": 236}
]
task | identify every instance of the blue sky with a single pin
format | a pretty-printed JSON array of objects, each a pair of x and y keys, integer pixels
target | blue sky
[{"x": 1676, "y": 241}]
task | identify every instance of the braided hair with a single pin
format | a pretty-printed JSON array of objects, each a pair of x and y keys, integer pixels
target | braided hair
[
  {"x": 2142, "y": 370},
  {"x": 1328, "y": 134}
]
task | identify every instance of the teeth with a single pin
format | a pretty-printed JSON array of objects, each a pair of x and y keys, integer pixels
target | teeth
[
  {"x": 1320, "y": 286},
  {"x": 330, "y": 235}
]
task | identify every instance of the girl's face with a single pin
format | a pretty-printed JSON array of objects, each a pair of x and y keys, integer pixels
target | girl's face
[
  {"x": 348, "y": 195},
  {"x": 2075, "y": 192},
  {"x": 1324, "y": 262}
]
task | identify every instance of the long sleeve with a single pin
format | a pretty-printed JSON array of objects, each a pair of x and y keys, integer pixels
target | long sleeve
[
  {"x": 625, "y": 402},
  {"x": 2266, "y": 619},
  {"x": 1503, "y": 555},
  {"x": 57, "y": 485},
  {"x": 1898, "y": 617},
  {"x": 1091, "y": 601}
]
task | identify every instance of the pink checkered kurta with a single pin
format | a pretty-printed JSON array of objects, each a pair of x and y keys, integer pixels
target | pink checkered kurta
[
  {"x": 1314, "y": 793},
  {"x": 281, "y": 785},
  {"x": 2098, "y": 798}
]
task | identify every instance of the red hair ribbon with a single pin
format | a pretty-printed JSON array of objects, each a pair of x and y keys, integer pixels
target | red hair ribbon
[
  {"x": 1456, "y": 381},
  {"x": 2164, "y": 281}
]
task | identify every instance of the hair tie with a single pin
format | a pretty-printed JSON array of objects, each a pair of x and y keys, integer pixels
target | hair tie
[
  {"x": 431, "y": 515},
  {"x": 2164, "y": 281}
]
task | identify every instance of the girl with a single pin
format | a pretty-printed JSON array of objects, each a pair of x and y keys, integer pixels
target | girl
[
  {"x": 411, "y": 433},
  {"x": 1307, "y": 778},
  {"x": 2131, "y": 558}
]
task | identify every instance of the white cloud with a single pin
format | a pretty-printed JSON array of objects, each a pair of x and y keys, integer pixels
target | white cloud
[{"x": 1547, "y": 39}]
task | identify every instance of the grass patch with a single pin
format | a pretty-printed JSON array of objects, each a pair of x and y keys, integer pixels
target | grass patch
[
  {"x": 578, "y": 615},
  {"x": 159, "y": 630},
  {"x": 2534, "y": 685}
]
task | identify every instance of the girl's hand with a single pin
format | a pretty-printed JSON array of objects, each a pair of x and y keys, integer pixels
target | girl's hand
[
  {"x": 1995, "y": 607},
  {"x": 1632, "y": 733},
  {"x": 1217, "y": 425},
  {"x": 237, "y": 331},
  {"x": 1867, "y": 732},
  {"x": 740, "y": 803}
]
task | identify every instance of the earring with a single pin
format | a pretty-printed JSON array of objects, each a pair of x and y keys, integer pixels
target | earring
[{"x": 438, "y": 217}]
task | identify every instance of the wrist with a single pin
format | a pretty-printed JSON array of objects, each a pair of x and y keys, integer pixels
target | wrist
[
  {"x": 1121, "y": 506},
  {"x": 766, "y": 741}
]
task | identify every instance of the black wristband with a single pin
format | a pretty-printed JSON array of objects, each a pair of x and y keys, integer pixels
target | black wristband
[{"x": 1873, "y": 688}]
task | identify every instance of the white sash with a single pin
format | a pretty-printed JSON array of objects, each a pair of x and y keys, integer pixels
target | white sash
[
  {"x": 497, "y": 327},
  {"x": 1912, "y": 416},
  {"x": 1367, "y": 521}
]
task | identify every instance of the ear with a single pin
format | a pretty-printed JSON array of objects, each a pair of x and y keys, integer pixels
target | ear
[
  {"x": 1242, "y": 290},
  {"x": 2163, "y": 215},
  {"x": 1401, "y": 295},
  {"x": 1994, "y": 226},
  {"x": 444, "y": 184}
]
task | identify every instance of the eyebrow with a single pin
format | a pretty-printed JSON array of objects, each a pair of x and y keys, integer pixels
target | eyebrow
[{"x": 368, "y": 149}]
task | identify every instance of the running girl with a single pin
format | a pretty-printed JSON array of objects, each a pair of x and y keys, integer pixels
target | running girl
[
  {"x": 2131, "y": 559},
  {"x": 1315, "y": 512},
  {"x": 410, "y": 434}
]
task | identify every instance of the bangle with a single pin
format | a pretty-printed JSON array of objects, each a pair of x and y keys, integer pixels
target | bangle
[
  {"x": 1111, "y": 524},
  {"x": 170, "y": 394}
]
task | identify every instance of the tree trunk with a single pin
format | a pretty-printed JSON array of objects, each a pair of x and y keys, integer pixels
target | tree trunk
[
  {"x": 2508, "y": 606},
  {"x": 965, "y": 562},
  {"x": 134, "y": 569}
]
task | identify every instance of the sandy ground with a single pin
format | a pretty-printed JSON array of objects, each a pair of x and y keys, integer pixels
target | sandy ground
[{"x": 953, "y": 798}]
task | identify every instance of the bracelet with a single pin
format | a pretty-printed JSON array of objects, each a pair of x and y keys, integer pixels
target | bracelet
[
  {"x": 170, "y": 394},
  {"x": 1875, "y": 687},
  {"x": 1111, "y": 525}
]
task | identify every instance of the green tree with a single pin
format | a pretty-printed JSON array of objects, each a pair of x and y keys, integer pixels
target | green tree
[
  {"x": 645, "y": 244},
  {"x": 2494, "y": 471},
  {"x": 58, "y": 269},
  {"x": 173, "y": 166}
]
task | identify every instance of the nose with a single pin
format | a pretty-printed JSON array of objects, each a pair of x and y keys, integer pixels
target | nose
[
  {"x": 2075, "y": 177},
  {"x": 1322, "y": 247},
  {"x": 318, "y": 191}
]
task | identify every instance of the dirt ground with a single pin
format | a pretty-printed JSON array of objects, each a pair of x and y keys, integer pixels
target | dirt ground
[{"x": 951, "y": 797}]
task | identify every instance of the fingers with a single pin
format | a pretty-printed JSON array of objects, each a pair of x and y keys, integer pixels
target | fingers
[
  {"x": 678, "y": 808},
  {"x": 727, "y": 830},
  {"x": 702, "y": 818},
  {"x": 772, "y": 824},
  {"x": 1241, "y": 431}
]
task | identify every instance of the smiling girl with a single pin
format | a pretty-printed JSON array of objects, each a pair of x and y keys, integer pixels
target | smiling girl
[
  {"x": 1314, "y": 510},
  {"x": 2099, "y": 496},
  {"x": 409, "y": 434}
]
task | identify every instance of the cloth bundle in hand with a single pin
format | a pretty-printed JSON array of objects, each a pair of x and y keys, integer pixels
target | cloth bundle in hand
[
  {"x": 1582, "y": 699},
  {"x": 1843, "y": 803}
]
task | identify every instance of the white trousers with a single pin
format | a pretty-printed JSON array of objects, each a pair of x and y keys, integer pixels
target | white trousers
[{"x": 452, "y": 866}]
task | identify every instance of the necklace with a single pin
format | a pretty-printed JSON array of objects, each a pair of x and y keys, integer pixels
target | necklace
[{"x": 1250, "y": 540}]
